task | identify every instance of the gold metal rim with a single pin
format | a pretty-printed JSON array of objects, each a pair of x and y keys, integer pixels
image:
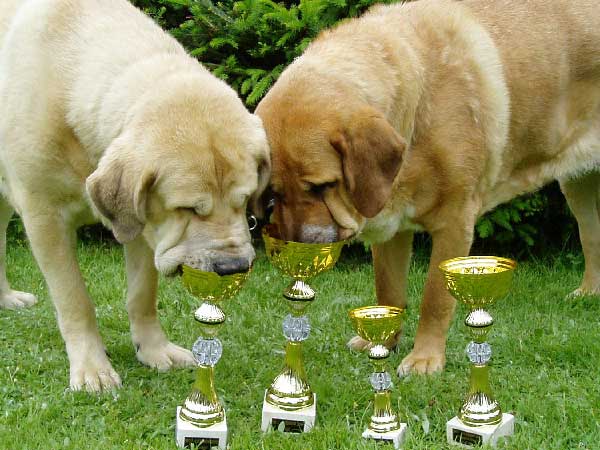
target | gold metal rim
[
  {"x": 386, "y": 312},
  {"x": 288, "y": 402},
  {"x": 479, "y": 420},
  {"x": 454, "y": 265},
  {"x": 201, "y": 420},
  {"x": 212, "y": 277}
]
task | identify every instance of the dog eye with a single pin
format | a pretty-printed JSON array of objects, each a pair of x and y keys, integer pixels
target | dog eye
[{"x": 319, "y": 189}]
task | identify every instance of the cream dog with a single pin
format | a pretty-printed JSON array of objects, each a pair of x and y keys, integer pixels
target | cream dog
[
  {"x": 425, "y": 115},
  {"x": 98, "y": 103}
]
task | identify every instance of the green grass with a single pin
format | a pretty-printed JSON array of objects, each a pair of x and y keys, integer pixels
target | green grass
[{"x": 546, "y": 365}]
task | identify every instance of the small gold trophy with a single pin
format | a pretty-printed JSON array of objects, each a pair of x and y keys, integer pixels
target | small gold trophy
[
  {"x": 289, "y": 399},
  {"x": 377, "y": 324},
  {"x": 478, "y": 281},
  {"x": 201, "y": 420}
]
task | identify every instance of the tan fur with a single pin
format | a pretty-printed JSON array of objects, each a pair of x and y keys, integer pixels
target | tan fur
[
  {"x": 104, "y": 116},
  {"x": 494, "y": 98}
]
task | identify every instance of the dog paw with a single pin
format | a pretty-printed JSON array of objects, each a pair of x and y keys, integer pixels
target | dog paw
[
  {"x": 165, "y": 356},
  {"x": 581, "y": 292},
  {"x": 94, "y": 375},
  {"x": 422, "y": 364},
  {"x": 359, "y": 344},
  {"x": 17, "y": 299}
]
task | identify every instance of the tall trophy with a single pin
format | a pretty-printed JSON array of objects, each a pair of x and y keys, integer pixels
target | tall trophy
[
  {"x": 201, "y": 420},
  {"x": 377, "y": 324},
  {"x": 478, "y": 281},
  {"x": 289, "y": 399}
]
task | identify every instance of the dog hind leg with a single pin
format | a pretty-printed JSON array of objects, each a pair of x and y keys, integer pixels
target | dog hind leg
[
  {"x": 583, "y": 196},
  {"x": 8, "y": 298}
]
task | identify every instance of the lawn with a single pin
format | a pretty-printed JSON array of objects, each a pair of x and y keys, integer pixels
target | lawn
[{"x": 545, "y": 368}]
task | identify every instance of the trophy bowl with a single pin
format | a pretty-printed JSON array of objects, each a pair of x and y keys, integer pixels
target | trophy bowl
[
  {"x": 300, "y": 260},
  {"x": 211, "y": 286},
  {"x": 478, "y": 281},
  {"x": 377, "y": 324}
]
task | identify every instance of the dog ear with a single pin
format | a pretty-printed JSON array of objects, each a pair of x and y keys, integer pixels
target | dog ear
[
  {"x": 118, "y": 188},
  {"x": 259, "y": 200},
  {"x": 371, "y": 153}
]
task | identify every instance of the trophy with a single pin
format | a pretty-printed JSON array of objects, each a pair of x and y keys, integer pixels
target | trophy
[
  {"x": 201, "y": 420},
  {"x": 478, "y": 281},
  {"x": 289, "y": 399},
  {"x": 377, "y": 324}
]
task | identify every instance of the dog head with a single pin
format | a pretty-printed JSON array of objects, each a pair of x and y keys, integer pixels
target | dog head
[
  {"x": 333, "y": 164},
  {"x": 181, "y": 175}
]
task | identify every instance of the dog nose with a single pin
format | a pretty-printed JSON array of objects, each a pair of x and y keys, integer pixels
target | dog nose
[
  {"x": 231, "y": 265},
  {"x": 318, "y": 234}
]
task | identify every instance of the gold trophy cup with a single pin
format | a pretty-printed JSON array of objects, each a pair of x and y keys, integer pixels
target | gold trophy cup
[
  {"x": 201, "y": 420},
  {"x": 478, "y": 282},
  {"x": 290, "y": 399},
  {"x": 377, "y": 324}
]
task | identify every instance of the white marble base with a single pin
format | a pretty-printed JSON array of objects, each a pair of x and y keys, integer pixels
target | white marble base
[
  {"x": 468, "y": 437},
  {"x": 299, "y": 421},
  {"x": 396, "y": 436},
  {"x": 214, "y": 436}
]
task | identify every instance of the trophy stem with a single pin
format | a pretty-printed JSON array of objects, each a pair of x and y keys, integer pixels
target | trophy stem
[
  {"x": 290, "y": 390},
  {"x": 480, "y": 407},
  {"x": 294, "y": 359},
  {"x": 202, "y": 407},
  {"x": 201, "y": 420},
  {"x": 383, "y": 419}
]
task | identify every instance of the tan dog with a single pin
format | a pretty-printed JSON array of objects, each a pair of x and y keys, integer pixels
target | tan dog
[
  {"x": 93, "y": 94},
  {"x": 425, "y": 115}
]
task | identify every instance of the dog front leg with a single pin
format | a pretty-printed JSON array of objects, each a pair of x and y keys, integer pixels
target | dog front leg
[
  {"x": 437, "y": 307},
  {"x": 391, "y": 261},
  {"x": 152, "y": 346},
  {"x": 54, "y": 245}
]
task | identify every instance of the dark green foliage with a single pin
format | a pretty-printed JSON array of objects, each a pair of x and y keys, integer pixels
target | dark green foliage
[
  {"x": 509, "y": 221},
  {"x": 248, "y": 43},
  {"x": 534, "y": 222}
]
